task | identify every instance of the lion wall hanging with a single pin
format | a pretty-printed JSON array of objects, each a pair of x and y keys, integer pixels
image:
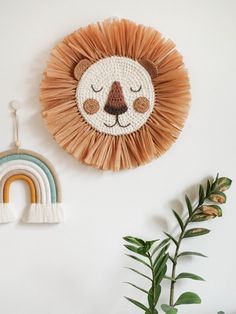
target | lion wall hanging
[{"x": 115, "y": 94}]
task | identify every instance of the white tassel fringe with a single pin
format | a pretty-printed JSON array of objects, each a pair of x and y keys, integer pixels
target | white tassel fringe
[
  {"x": 44, "y": 213},
  {"x": 6, "y": 214}
]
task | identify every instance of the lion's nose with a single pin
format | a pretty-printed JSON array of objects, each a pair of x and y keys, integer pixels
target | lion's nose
[{"x": 115, "y": 102}]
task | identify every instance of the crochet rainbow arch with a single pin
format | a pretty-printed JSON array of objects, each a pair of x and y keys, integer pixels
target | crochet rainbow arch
[{"x": 41, "y": 178}]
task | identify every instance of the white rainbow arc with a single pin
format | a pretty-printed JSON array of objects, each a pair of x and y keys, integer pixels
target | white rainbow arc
[{"x": 42, "y": 180}]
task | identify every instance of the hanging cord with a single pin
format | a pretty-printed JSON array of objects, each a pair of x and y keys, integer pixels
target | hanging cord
[{"x": 15, "y": 106}]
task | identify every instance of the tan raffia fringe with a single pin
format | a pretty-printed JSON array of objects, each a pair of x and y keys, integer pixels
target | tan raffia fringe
[{"x": 115, "y": 38}]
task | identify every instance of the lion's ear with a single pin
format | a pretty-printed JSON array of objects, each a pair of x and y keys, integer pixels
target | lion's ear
[
  {"x": 150, "y": 67},
  {"x": 81, "y": 67}
]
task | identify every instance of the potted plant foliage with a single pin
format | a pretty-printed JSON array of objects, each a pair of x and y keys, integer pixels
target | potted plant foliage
[{"x": 158, "y": 261}]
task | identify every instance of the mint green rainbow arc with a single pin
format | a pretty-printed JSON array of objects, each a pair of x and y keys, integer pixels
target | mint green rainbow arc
[{"x": 38, "y": 164}]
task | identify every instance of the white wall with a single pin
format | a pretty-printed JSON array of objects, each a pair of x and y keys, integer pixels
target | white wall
[{"x": 78, "y": 267}]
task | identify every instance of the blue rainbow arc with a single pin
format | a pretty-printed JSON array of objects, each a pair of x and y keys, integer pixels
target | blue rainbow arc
[{"x": 41, "y": 179}]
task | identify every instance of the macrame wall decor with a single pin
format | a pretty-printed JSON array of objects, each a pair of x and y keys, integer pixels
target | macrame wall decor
[
  {"x": 115, "y": 94},
  {"x": 40, "y": 176}
]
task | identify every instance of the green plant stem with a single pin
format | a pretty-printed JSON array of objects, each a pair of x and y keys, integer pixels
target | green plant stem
[
  {"x": 153, "y": 278},
  {"x": 181, "y": 236}
]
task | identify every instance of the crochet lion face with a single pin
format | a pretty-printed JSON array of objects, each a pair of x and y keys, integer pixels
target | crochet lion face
[{"x": 115, "y": 94}]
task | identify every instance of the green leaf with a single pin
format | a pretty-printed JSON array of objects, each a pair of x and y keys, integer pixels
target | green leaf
[
  {"x": 138, "y": 260},
  {"x": 181, "y": 224},
  {"x": 169, "y": 309},
  {"x": 139, "y": 273},
  {"x": 151, "y": 311},
  {"x": 189, "y": 205},
  {"x": 172, "y": 238},
  {"x": 157, "y": 294},
  {"x": 208, "y": 187},
  {"x": 201, "y": 217},
  {"x": 207, "y": 212},
  {"x": 150, "y": 298},
  {"x": 161, "y": 275},
  {"x": 223, "y": 184},
  {"x": 189, "y": 276},
  {"x": 201, "y": 195},
  {"x": 151, "y": 242},
  {"x": 215, "y": 182},
  {"x": 161, "y": 268},
  {"x": 188, "y": 298},
  {"x": 218, "y": 197},
  {"x": 148, "y": 245},
  {"x": 153, "y": 296},
  {"x": 133, "y": 240},
  {"x": 138, "y": 304},
  {"x": 137, "y": 287},
  {"x": 139, "y": 250},
  {"x": 161, "y": 254},
  {"x": 213, "y": 210},
  {"x": 195, "y": 232},
  {"x": 191, "y": 253},
  {"x": 159, "y": 261},
  {"x": 160, "y": 245}
]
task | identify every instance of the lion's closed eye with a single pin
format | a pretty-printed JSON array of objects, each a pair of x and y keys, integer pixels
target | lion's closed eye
[
  {"x": 136, "y": 90},
  {"x": 96, "y": 90}
]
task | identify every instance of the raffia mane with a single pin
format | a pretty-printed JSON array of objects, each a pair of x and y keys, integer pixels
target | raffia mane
[{"x": 97, "y": 41}]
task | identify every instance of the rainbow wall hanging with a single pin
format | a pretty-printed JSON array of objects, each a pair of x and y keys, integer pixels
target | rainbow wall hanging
[{"x": 41, "y": 178}]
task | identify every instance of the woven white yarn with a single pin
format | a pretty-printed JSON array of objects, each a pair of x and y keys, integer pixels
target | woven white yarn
[
  {"x": 44, "y": 213},
  {"x": 102, "y": 74},
  {"x": 6, "y": 214}
]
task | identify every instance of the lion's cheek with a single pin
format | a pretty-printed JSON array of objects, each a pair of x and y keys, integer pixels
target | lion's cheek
[
  {"x": 141, "y": 104},
  {"x": 91, "y": 106}
]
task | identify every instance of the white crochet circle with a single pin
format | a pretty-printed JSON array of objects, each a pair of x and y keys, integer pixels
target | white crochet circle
[{"x": 102, "y": 74}]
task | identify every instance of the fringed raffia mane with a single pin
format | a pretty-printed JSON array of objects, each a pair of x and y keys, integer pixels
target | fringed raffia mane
[{"x": 106, "y": 39}]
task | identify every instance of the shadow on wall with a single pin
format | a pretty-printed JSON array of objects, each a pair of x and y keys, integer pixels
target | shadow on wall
[{"x": 162, "y": 223}]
